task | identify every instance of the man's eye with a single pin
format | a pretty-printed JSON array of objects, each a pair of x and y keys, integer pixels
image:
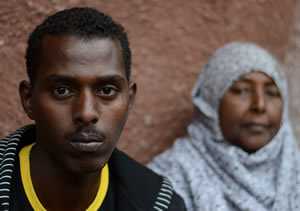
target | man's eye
[
  {"x": 107, "y": 91},
  {"x": 62, "y": 92}
]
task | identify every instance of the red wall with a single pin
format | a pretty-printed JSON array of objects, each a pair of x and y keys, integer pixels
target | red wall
[{"x": 170, "y": 40}]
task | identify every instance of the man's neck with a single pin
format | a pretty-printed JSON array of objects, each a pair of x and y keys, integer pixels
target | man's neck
[{"x": 58, "y": 189}]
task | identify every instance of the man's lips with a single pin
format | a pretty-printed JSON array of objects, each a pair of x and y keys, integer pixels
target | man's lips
[
  {"x": 87, "y": 141},
  {"x": 86, "y": 146},
  {"x": 87, "y": 137}
]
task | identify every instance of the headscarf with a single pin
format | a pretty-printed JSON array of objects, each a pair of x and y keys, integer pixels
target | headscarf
[{"x": 213, "y": 175}]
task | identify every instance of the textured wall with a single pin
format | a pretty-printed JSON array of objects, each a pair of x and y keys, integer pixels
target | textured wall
[
  {"x": 292, "y": 61},
  {"x": 170, "y": 40}
]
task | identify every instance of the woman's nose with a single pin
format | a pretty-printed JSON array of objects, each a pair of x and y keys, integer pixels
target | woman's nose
[{"x": 258, "y": 101}]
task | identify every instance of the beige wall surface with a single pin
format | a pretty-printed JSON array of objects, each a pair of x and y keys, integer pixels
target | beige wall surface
[{"x": 170, "y": 39}]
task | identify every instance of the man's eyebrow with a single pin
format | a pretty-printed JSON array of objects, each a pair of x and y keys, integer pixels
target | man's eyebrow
[
  {"x": 113, "y": 78},
  {"x": 104, "y": 78},
  {"x": 60, "y": 78}
]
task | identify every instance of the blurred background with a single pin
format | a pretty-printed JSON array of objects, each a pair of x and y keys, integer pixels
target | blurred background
[{"x": 171, "y": 40}]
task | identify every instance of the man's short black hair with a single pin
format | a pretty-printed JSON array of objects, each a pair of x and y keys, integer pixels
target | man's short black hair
[{"x": 84, "y": 22}]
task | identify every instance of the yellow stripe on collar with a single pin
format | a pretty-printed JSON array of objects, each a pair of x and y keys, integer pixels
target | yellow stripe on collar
[{"x": 24, "y": 156}]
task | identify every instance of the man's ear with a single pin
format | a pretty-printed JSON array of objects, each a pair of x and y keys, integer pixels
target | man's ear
[
  {"x": 25, "y": 92},
  {"x": 132, "y": 93}
]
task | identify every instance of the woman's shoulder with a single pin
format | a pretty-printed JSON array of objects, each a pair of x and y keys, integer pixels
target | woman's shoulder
[
  {"x": 176, "y": 160},
  {"x": 169, "y": 157}
]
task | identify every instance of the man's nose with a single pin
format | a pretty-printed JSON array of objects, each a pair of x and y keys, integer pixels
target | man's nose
[{"x": 85, "y": 109}]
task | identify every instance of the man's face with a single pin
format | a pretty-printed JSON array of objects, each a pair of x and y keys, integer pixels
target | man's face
[
  {"x": 79, "y": 101},
  {"x": 251, "y": 111}
]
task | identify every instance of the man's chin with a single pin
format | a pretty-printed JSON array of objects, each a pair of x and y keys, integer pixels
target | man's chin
[{"x": 87, "y": 166}]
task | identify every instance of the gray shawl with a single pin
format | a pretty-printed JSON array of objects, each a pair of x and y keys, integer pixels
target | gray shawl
[{"x": 213, "y": 175}]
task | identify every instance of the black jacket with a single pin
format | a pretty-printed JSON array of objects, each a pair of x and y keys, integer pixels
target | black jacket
[{"x": 136, "y": 188}]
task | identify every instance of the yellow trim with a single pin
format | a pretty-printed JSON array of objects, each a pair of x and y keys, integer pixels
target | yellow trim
[
  {"x": 24, "y": 156},
  {"x": 102, "y": 191},
  {"x": 26, "y": 179}
]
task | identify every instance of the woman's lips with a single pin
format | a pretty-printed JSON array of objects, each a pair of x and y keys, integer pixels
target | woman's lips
[{"x": 256, "y": 127}]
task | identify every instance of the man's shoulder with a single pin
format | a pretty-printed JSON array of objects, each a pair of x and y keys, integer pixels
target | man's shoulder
[
  {"x": 9, "y": 148},
  {"x": 25, "y": 133},
  {"x": 142, "y": 185},
  {"x": 129, "y": 167}
]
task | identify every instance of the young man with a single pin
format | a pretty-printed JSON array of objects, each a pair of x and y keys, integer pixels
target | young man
[{"x": 78, "y": 94}]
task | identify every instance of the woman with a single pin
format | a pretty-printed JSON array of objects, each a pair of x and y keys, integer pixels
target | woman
[{"x": 240, "y": 152}]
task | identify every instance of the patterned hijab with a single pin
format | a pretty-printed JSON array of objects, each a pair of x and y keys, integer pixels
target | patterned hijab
[{"x": 213, "y": 175}]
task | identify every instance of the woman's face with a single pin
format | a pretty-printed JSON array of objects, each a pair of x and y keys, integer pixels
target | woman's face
[{"x": 251, "y": 111}]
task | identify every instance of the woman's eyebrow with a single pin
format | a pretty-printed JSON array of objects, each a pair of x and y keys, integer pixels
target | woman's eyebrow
[
  {"x": 243, "y": 80},
  {"x": 271, "y": 83}
]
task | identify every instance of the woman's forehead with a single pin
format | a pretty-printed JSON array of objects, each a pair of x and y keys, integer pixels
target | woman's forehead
[{"x": 257, "y": 76}]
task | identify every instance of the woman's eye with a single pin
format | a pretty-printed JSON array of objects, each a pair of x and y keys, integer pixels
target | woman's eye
[
  {"x": 240, "y": 90},
  {"x": 62, "y": 92},
  {"x": 107, "y": 91},
  {"x": 273, "y": 92}
]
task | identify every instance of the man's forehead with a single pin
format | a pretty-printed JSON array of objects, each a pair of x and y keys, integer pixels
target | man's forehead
[
  {"x": 70, "y": 54},
  {"x": 75, "y": 48}
]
